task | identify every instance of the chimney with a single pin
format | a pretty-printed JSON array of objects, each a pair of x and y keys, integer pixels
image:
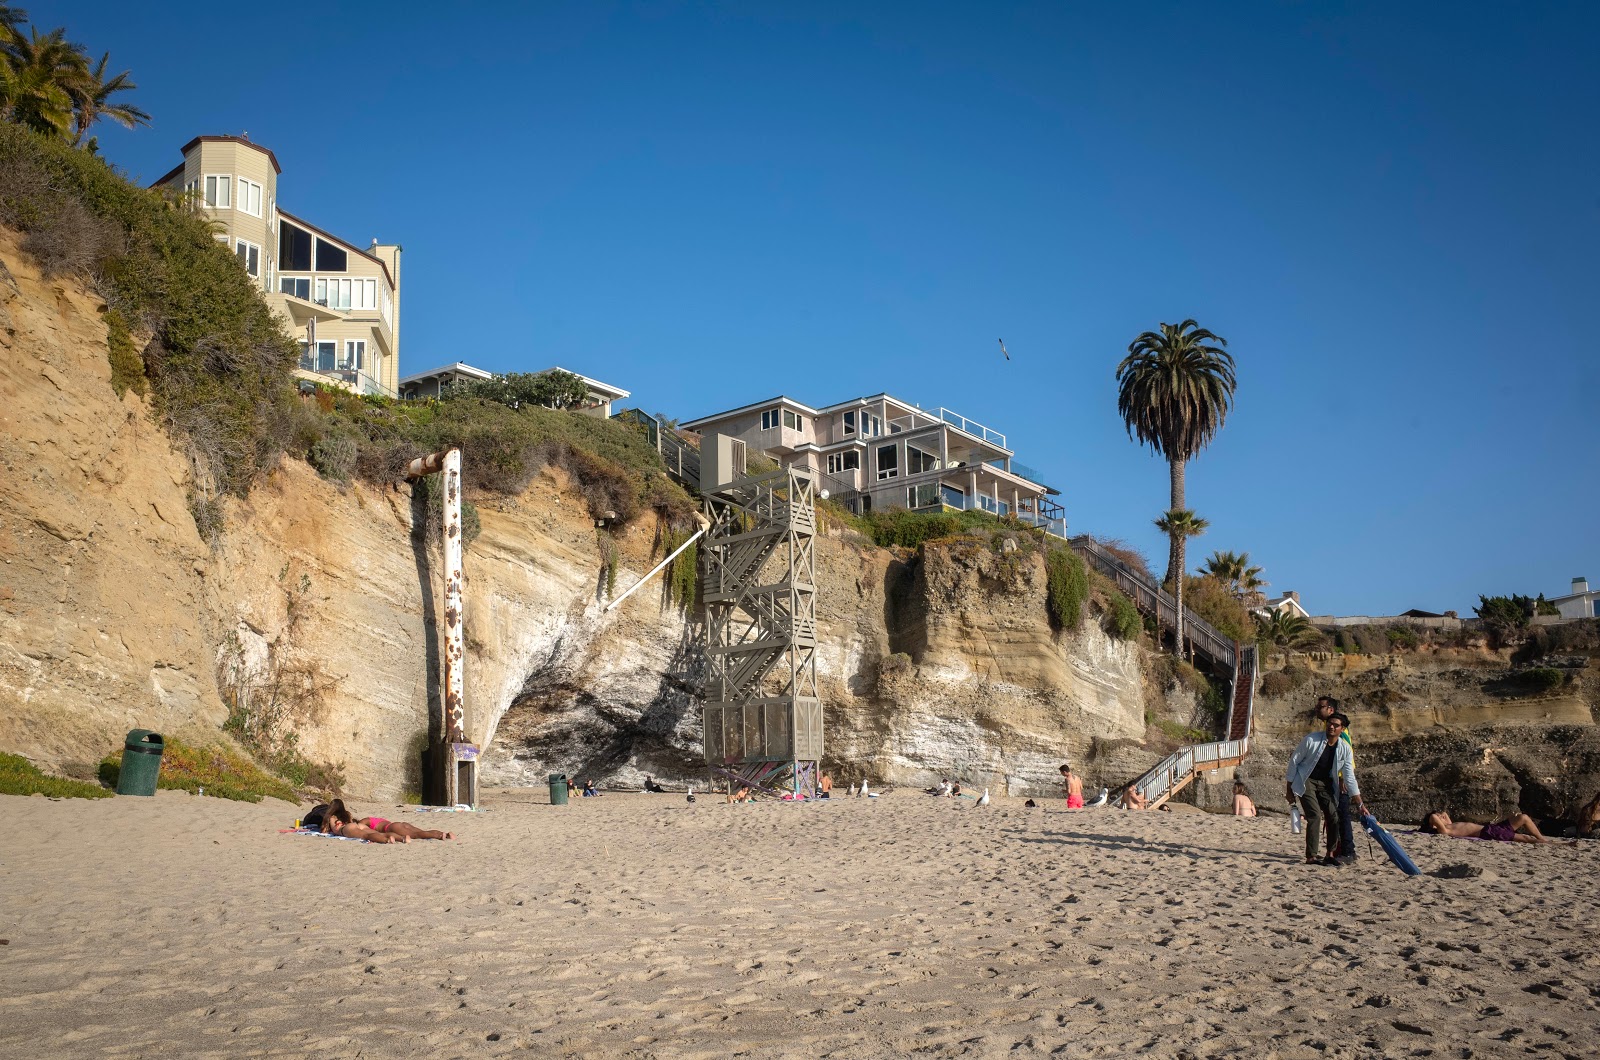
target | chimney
[
  {"x": 1291, "y": 594},
  {"x": 1580, "y": 584}
]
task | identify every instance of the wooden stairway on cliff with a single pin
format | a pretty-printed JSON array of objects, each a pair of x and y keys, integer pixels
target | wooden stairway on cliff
[{"x": 1176, "y": 771}]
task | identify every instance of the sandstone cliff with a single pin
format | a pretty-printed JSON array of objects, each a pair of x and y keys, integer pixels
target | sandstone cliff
[{"x": 317, "y": 602}]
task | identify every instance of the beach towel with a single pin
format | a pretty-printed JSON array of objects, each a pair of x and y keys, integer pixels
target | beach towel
[
  {"x": 462, "y": 808},
  {"x": 319, "y": 835}
]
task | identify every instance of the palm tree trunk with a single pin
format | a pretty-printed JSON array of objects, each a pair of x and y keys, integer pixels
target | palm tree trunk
[{"x": 1175, "y": 551}]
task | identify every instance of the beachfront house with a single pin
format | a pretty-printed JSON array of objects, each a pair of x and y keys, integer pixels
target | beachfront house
[
  {"x": 1582, "y": 602},
  {"x": 880, "y": 452},
  {"x": 434, "y": 381},
  {"x": 1288, "y": 603},
  {"x": 341, "y": 301}
]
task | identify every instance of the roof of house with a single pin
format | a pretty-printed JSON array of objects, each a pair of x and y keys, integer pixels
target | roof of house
[
  {"x": 453, "y": 368},
  {"x": 342, "y": 242},
  {"x": 175, "y": 170},
  {"x": 1417, "y": 612}
]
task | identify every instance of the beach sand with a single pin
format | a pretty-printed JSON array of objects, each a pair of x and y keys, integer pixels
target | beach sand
[{"x": 640, "y": 926}]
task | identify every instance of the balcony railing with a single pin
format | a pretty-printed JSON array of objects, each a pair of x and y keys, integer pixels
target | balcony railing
[
  {"x": 972, "y": 427},
  {"x": 351, "y": 379}
]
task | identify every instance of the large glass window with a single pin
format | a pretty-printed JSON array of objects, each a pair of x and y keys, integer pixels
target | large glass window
[
  {"x": 346, "y": 294},
  {"x": 850, "y": 422},
  {"x": 299, "y": 286},
  {"x": 355, "y": 355},
  {"x": 769, "y": 419},
  {"x": 294, "y": 248},
  {"x": 918, "y": 461},
  {"x": 838, "y": 463},
  {"x": 871, "y": 426},
  {"x": 322, "y": 359},
  {"x": 330, "y": 258},
  {"x": 791, "y": 420},
  {"x": 219, "y": 191},
  {"x": 922, "y": 496},
  {"x": 888, "y": 461}
]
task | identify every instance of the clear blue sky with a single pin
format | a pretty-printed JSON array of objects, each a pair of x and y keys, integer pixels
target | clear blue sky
[{"x": 1390, "y": 211}]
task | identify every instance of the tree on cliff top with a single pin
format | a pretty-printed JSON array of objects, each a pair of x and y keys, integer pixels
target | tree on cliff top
[
  {"x": 47, "y": 84},
  {"x": 553, "y": 389},
  {"x": 1174, "y": 390}
]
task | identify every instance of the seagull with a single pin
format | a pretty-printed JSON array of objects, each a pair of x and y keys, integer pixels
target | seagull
[
  {"x": 691, "y": 792},
  {"x": 1100, "y": 800},
  {"x": 983, "y": 800},
  {"x": 1003, "y": 348},
  {"x": 853, "y": 788},
  {"x": 864, "y": 790}
]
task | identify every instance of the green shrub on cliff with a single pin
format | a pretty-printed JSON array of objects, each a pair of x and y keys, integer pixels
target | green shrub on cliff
[
  {"x": 217, "y": 362},
  {"x": 222, "y": 772},
  {"x": 18, "y": 776},
  {"x": 1067, "y": 578}
]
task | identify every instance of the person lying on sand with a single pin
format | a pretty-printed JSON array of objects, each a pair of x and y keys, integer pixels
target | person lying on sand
[
  {"x": 340, "y": 821},
  {"x": 1589, "y": 820},
  {"x": 1518, "y": 828},
  {"x": 1132, "y": 800}
]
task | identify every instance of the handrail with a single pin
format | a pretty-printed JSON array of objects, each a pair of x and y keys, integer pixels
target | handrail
[{"x": 1202, "y": 633}]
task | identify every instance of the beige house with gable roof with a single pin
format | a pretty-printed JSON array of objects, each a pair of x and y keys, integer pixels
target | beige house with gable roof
[
  {"x": 342, "y": 302},
  {"x": 880, "y": 452}
]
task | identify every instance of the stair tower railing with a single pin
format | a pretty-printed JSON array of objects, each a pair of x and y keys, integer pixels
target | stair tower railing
[
  {"x": 1176, "y": 771},
  {"x": 1151, "y": 599}
]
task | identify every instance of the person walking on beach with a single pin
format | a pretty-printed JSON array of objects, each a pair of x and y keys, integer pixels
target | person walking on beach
[
  {"x": 1341, "y": 833},
  {"x": 825, "y": 787},
  {"x": 1072, "y": 784},
  {"x": 1318, "y": 766}
]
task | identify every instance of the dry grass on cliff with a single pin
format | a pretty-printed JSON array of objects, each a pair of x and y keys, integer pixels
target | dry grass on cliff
[{"x": 218, "y": 771}]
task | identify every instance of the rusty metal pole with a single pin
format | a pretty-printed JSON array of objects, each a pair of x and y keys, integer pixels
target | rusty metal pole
[{"x": 453, "y": 699}]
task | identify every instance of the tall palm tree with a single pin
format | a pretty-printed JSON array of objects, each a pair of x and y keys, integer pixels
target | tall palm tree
[
  {"x": 39, "y": 79},
  {"x": 1174, "y": 389},
  {"x": 1180, "y": 524},
  {"x": 92, "y": 101}
]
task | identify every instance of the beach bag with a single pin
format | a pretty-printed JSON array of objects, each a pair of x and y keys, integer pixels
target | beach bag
[{"x": 315, "y": 816}]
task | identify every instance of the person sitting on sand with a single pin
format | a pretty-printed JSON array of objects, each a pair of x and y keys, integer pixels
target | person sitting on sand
[
  {"x": 1132, "y": 799},
  {"x": 589, "y": 790},
  {"x": 1588, "y": 823},
  {"x": 742, "y": 795},
  {"x": 340, "y": 821},
  {"x": 1243, "y": 805},
  {"x": 1518, "y": 828},
  {"x": 651, "y": 785},
  {"x": 1072, "y": 784}
]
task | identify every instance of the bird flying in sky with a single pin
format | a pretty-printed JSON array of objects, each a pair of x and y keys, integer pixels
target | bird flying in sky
[{"x": 1003, "y": 349}]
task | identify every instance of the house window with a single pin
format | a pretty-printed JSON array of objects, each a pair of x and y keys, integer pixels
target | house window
[
  {"x": 330, "y": 258},
  {"x": 791, "y": 420},
  {"x": 250, "y": 197},
  {"x": 838, "y": 463},
  {"x": 888, "y": 461},
  {"x": 294, "y": 248},
  {"x": 219, "y": 192},
  {"x": 917, "y": 461},
  {"x": 250, "y": 255},
  {"x": 850, "y": 422},
  {"x": 355, "y": 355},
  {"x": 299, "y": 286},
  {"x": 769, "y": 419},
  {"x": 347, "y": 294},
  {"x": 322, "y": 359},
  {"x": 922, "y": 496},
  {"x": 871, "y": 426}
]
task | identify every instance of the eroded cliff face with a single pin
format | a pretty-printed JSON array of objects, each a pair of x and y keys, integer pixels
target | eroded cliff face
[
  {"x": 1437, "y": 729},
  {"x": 317, "y": 603}
]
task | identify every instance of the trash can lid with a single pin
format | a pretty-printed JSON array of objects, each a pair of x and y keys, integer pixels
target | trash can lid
[
  {"x": 557, "y": 776},
  {"x": 144, "y": 736}
]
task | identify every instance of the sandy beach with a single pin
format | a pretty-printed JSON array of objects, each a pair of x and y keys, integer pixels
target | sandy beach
[{"x": 640, "y": 926}]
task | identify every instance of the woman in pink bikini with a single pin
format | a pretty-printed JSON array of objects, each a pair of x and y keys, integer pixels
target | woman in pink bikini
[{"x": 340, "y": 821}]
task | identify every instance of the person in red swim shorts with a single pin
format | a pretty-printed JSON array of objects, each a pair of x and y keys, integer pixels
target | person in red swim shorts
[{"x": 1072, "y": 784}]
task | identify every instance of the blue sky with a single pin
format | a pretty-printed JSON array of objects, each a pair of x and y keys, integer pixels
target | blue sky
[{"x": 1390, "y": 212}]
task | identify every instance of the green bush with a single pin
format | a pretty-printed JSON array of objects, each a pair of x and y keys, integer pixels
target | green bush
[
  {"x": 1540, "y": 679},
  {"x": 218, "y": 362},
  {"x": 18, "y": 776},
  {"x": 1211, "y": 599},
  {"x": 222, "y": 772},
  {"x": 903, "y": 528},
  {"x": 1067, "y": 583}
]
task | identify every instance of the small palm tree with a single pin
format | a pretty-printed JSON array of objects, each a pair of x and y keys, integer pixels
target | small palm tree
[
  {"x": 1285, "y": 629},
  {"x": 91, "y": 98},
  {"x": 1180, "y": 525},
  {"x": 1233, "y": 569},
  {"x": 1174, "y": 390}
]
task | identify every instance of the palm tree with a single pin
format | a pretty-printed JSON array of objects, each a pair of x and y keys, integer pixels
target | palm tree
[
  {"x": 1180, "y": 525},
  {"x": 92, "y": 101},
  {"x": 40, "y": 76},
  {"x": 10, "y": 19},
  {"x": 1174, "y": 389},
  {"x": 1234, "y": 570},
  {"x": 1284, "y": 628}
]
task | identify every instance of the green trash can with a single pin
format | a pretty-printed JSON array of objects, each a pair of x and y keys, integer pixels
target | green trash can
[
  {"x": 558, "y": 789},
  {"x": 141, "y": 763}
]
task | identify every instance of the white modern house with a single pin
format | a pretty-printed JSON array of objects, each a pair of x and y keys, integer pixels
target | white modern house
[
  {"x": 1582, "y": 602},
  {"x": 879, "y": 452}
]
